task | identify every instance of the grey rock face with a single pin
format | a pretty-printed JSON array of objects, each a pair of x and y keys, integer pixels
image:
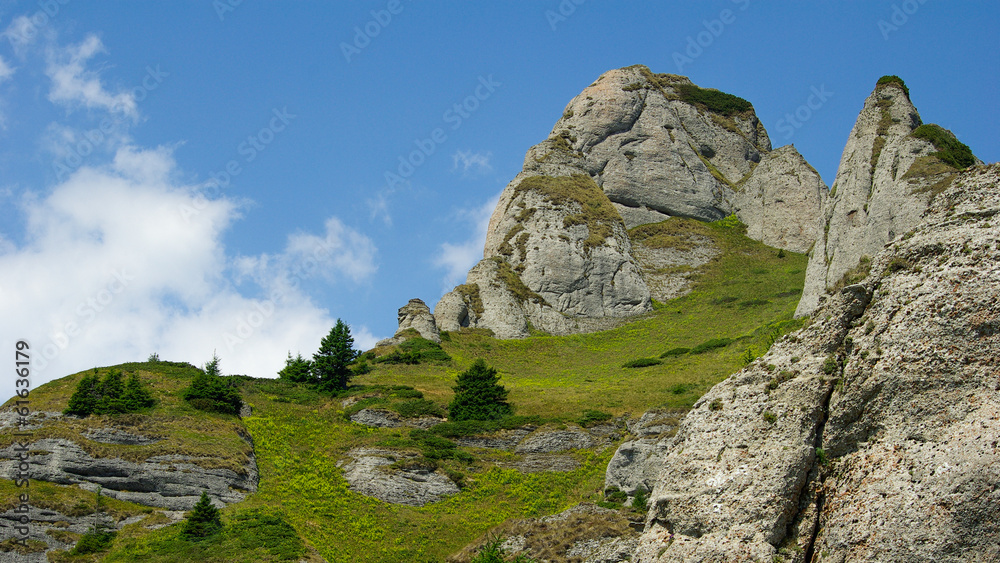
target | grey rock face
[
  {"x": 369, "y": 474},
  {"x": 381, "y": 418},
  {"x": 874, "y": 437},
  {"x": 171, "y": 482},
  {"x": 649, "y": 150},
  {"x": 651, "y": 155},
  {"x": 636, "y": 463},
  {"x": 781, "y": 201},
  {"x": 882, "y": 188},
  {"x": 554, "y": 441},
  {"x": 417, "y": 315}
]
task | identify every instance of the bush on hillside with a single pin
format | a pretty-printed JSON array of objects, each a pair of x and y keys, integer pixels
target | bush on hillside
[
  {"x": 297, "y": 369},
  {"x": 210, "y": 392},
  {"x": 110, "y": 395},
  {"x": 479, "y": 395},
  {"x": 711, "y": 345},
  {"x": 203, "y": 521},
  {"x": 642, "y": 363}
]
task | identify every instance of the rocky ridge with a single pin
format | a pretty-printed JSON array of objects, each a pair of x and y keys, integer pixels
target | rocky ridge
[
  {"x": 632, "y": 148},
  {"x": 870, "y": 435},
  {"x": 886, "y": 179}
]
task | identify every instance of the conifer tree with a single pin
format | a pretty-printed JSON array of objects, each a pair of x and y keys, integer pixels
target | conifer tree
[
  {"x": 203, "y": 521},
  {"x": 479, "y": 395},
  {"x": 297, "y": 369},
  {"x": 136, "y": 396},
  {"x": 335, "y": 354},
  {"x": 84, "y": 399}
]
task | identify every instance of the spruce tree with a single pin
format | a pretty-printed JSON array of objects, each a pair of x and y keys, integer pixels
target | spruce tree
[
  {"x": 84, "y": 399},
  {"x": 203, "y": 521},
  {"x": 209, "y": 392},
  {"x": 335, "y": 354},
  {"x": 297, "y": 369},
  {"x": 479, "y": 395},
  {"x": 136, "y": 396},
  {"x": 112, "y": 390}
]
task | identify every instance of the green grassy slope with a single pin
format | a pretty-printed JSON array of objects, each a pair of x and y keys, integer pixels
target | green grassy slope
[{"x": 747, "y": 294}]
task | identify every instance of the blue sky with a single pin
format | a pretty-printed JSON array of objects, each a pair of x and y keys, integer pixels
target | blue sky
[{"x": 186, "y": 177}]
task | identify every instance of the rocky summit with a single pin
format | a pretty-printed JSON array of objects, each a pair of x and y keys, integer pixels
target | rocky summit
[{"x": 633, "y": 148}]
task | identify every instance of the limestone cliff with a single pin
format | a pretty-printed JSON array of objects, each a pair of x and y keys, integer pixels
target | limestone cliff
[
  {"x": 888, "y": 175},
  {"x": 633, "y": 148},
  {"x": 870, "y": 435}
]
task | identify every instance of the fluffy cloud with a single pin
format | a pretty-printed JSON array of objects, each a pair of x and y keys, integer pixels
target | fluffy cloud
[
  {"x": 457, "y": 259},
  {"x": 113, "y": 267},
  {"x": 73, "y": 84}
]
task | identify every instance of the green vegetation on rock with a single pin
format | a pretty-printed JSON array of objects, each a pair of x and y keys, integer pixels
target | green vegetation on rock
[
  {"x": 892, "y": 79},
  {"x": 596, "y": 210},
  {"x": 714, "y": 101},
  {"x": 950, "y": 150}
]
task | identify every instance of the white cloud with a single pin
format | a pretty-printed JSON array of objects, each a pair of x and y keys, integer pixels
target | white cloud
[
  {"x": 5, "y": 70},
  {"x": 73, "y": 84},
  {"x": 457, "y": 259},
  {"x": 112, "y": 268},
  {"x": 470, "y": 163}
]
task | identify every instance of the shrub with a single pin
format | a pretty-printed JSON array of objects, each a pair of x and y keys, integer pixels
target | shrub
[
  {"x": 479, "y": 395},
  {"x": 642, "y": 363},
  {"x": 93, "y": 541},
  {"x": 203, "y": 520},
  {"x": 713, "y": 100},
  {"x": 614, "y": 494},
  {"x": 259, "y": 529},
  {"x": 592, "y": 418},
  {"x": 640, "y": 501},
  {"x": 770, "y": 417},
  {"x": 673, "y": 352},
  {"x": 715, "y": 405},
  {"x": 711, "y": 345},
  {"x": 492, "y": 552},
  {"x": 830, "y": 365},
  {"x": 821, "y": 457}
]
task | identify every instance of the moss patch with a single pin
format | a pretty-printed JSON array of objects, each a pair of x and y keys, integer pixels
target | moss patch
[
  {"x": 951, "y": 151},
  {"x": 470, "y": 294}
]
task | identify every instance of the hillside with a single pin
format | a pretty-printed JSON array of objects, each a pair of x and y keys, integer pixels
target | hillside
[{"x": 302, "y": 439}]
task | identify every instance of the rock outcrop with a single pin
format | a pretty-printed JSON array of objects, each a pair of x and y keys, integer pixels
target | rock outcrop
[
  {"x": 632, "y": 148},
  {"x": 886, "y": 179},
  {"x": 174, "y": 482},
  {"x": 372, "y": 472},
  {"x": 781, "y": 201},
  {"x": 869, "y": 435},
  {"x": 414, "y": 316}
]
